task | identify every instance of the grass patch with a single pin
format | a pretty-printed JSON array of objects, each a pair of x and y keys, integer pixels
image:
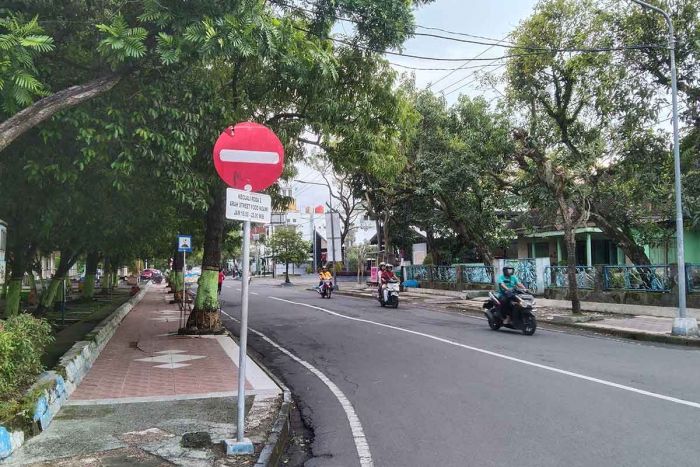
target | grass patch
[{"x": 80, "y": 318}]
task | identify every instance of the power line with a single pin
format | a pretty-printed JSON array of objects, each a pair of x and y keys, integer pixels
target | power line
[
  {"x": 470, "y": 41},
  {"x": 463, "y": 66},
  {"x": 470, "y": 82},
  {"x": 429, "y": 28},
  {"x": 439, "y": 69},
  {"x": 508, "y": 45},
  {"x": 473, "y": 73}
]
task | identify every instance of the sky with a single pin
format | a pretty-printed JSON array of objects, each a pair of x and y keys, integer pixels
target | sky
[{"x": 488, "y": 18}]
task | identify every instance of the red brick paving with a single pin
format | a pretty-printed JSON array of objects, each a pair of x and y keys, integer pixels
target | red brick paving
[{"x": 117, "y": 373}]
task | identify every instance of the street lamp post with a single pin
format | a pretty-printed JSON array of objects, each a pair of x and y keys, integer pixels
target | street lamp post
[{"x": 682, "y": 324}]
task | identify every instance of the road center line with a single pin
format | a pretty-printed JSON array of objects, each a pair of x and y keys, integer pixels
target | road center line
[
  {"x": 611, "y": 384},
  {"x": 358, "y": 433}
]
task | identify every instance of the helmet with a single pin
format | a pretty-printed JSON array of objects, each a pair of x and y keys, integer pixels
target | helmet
[
  {"x": 390, "y": 266},
  {"x": 382, "y": 264},
  {"x": 508, "y": 270}
]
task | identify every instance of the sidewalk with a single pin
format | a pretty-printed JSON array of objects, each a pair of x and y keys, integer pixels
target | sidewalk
[
  {"x": 148, "y": 388},
  {"x": 631, "y": 321}
]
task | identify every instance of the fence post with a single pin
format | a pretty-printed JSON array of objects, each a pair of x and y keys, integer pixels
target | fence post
[{"x": 459, "y": 285}]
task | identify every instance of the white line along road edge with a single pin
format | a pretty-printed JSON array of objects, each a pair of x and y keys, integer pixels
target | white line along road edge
[
  {"x": 358, "y": 433},
  {"x": 642, "y": 392}
]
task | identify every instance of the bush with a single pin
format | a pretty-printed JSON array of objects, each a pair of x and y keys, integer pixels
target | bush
[{"x": 23, "y": 340}]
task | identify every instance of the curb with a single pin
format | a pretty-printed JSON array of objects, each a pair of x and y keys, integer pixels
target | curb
[
  {"x": 632, "y": 335},
  {"x": 271, "y": 454},
  {"x": 57, "y": 385}
]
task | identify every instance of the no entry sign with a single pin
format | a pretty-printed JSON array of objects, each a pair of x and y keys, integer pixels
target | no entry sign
[{"x": 249, "y": 156}]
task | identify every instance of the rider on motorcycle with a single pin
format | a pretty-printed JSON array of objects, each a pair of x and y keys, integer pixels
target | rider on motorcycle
[
  {"x": 507, "y": 283},
  {"x": 386, "y": 277},
  {"x": 324, "y": 275},
  {"x": 380, "y": 277}
]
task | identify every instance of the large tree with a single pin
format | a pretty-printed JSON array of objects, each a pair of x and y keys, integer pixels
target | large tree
[
  {"x": 587, "y": 118},
  {"x": 287, "y": 246}
]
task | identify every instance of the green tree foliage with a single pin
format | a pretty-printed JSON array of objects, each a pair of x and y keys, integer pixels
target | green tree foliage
[
  {"x": 287, "y": 246},
  {"x": 21, "y": 43},
  {"x": 589, "y": 125},
  {"x": 644, "y": 27},
  {"x": 458, "y": 164}
]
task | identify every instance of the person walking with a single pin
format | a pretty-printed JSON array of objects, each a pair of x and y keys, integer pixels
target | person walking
[{"x": 222, "y": 276}]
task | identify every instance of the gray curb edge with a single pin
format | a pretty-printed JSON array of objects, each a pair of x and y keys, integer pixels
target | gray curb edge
[
  {"x": 271, "y": 453},
  {"x": 631, "y": 335}
]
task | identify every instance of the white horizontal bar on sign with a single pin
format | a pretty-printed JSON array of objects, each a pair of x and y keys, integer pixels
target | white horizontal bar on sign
[{"x": 251, "y": 157}]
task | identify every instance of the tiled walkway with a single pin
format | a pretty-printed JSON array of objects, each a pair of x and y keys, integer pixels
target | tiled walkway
[{"x": 145, "y": 360}]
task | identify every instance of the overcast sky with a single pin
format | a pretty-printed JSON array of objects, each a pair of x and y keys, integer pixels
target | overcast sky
[{"x": 488, "y": 18}]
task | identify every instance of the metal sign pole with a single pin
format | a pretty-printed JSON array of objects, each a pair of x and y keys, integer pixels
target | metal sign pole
[
  {"x": 243, "y": 341},
  {"x": 184, "y": 290}
]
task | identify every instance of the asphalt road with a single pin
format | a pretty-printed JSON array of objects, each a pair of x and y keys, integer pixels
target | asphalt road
[{"x": 436, "y": 388}]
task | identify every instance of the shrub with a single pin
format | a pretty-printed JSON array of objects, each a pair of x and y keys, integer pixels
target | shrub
[{"x": 23, "y": 340}]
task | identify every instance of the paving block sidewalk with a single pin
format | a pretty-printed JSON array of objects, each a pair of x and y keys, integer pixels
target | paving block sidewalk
[{"x": 147, "y": 388}]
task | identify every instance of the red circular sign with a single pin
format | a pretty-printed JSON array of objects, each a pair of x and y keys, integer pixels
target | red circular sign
[{"x": 249, "y": 156}]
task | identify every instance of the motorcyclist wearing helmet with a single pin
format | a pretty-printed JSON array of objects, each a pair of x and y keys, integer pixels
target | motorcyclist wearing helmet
[
  {"x": 324, "y": 275},
  {"x": 388, "y": 274},
  {"x": 380, "y": 277},
  {"x": 507, "y": 283}
]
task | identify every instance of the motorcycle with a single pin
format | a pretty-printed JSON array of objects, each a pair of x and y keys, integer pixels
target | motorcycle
[
  {"x": 522, "y": 313},
  {"x": 326, "y": 289},
  {"x": 389, "y": 294}
]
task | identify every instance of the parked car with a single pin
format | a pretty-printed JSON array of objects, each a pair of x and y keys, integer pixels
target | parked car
[
  {"x": 192, "y": 275},
  {"x": 146, "y": 274}
]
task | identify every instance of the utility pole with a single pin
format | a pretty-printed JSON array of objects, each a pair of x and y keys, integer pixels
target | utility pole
[
  {"x": 313, "y": 241},
  {"x": 330, "y": 206},
  {"x": 682, "y": 324}
]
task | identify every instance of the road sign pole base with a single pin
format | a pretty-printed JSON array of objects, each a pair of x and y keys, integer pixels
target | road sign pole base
[
  {"x": 238, "y": 448},
  {"x": 685, "y": 327}
]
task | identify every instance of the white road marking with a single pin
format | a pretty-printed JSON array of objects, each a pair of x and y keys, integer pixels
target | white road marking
[
  {"x": 611, "y": 384},
  {"x": 358, "y": 433},
  {"x": 254, "y": 293}
]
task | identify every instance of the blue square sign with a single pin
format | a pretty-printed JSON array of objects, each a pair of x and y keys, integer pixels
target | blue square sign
[{"x": 184, "y": 243}]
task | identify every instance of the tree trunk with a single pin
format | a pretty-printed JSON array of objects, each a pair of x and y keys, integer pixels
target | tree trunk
[
  {"x": 33, "y": 297},
  {"x": 177, "y": 278},
  {"x": 106, "y": 267},
  {"x": 570, "y": 244},
  {"x": 205, "y": 317},
  {"x": 13, "y": 297},
  {"x": 378, "y": 226},
  {"x": 286, "y": 273},
  {"x": 90, "y": 274},
  {"x": 485, "y": 253},
  {"x": 43, "y": 109},
  {"x": 388, "y": 253},
  {"x": 49, "y": 296},
  {"x": 623, "y": 239}
]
